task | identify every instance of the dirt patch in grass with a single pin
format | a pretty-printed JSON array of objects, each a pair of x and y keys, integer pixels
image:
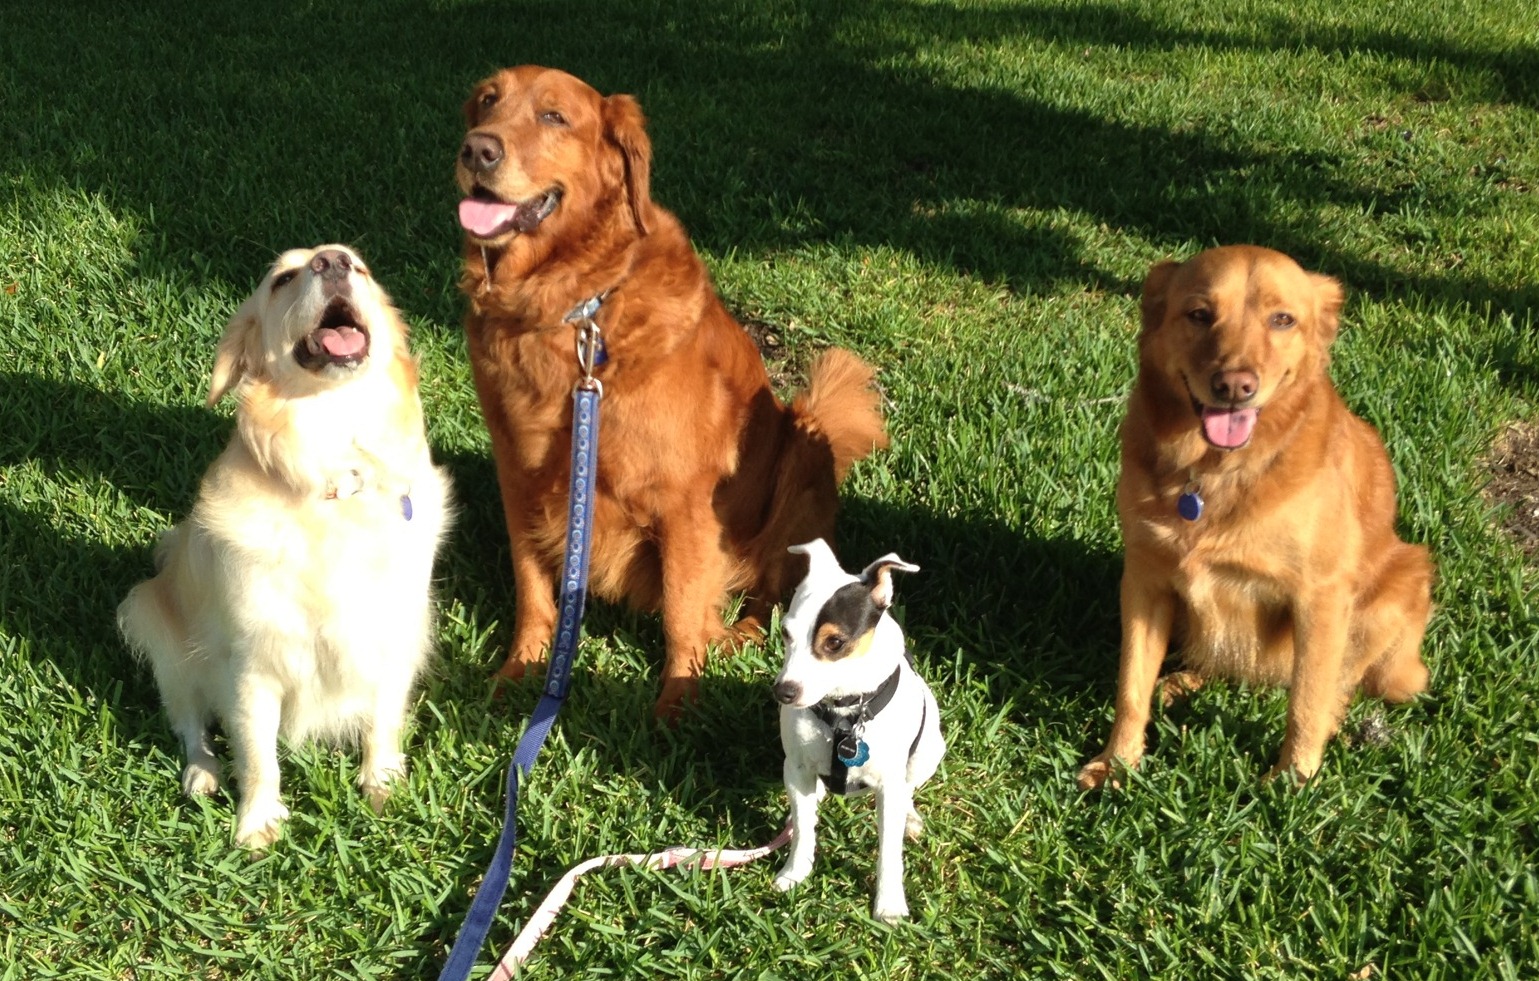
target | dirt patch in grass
[
  {"x": 786, "y": 371},
  {"x": 1514, "y": 465}
]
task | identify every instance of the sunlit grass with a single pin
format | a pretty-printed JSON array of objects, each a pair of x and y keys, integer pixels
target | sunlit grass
[{"x": 968, "y": 194}]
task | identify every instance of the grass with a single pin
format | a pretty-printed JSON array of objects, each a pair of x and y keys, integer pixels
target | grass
[{"x": 968, "y": 193}]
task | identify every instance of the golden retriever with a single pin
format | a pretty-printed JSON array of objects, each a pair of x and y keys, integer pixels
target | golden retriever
[
  {"x": 1258, "y": 512},
  {"x": 704, "y": 477},
  {"x": 295, "y": 598}
]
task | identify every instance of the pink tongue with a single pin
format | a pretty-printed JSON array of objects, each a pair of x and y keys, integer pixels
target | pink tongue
[
  {"x": 1228, "y": 428},
  {"x": 486, "y": 218},
  {"x": 341, "y": 342}
]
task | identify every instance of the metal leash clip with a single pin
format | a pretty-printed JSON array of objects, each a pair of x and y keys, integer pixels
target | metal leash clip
[{"x": 589, "y": 341}]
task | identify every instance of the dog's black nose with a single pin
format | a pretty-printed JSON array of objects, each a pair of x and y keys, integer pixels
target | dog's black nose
[
  {"x": 331, "y": 264},
  {"x": 787, "y": 692},
  {"x": 1234, "y": 386},
  {"x": 481, "y": 152}
]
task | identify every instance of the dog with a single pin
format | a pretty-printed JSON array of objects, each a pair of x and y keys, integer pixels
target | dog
[
  {"x": 1258, "y": 512},
  {"x": 295, "y": 598},
  {"x": 855, "y": 717},
  {"x": 704, "y": 476}
]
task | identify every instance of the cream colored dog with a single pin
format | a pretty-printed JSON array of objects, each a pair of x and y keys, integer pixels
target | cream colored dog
[{"x": 295, "y": 599}]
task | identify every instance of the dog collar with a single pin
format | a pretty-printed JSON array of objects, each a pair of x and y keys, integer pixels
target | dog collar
[
  {"x": 863, "y": 707},
  {"x": 846, "y": 718},
  {"x": 350, "y": 483}
]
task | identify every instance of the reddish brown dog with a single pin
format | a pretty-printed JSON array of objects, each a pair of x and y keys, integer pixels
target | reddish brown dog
[
  {"x": 1258, "y": 512},
  {"x": 704, "y": 476}
]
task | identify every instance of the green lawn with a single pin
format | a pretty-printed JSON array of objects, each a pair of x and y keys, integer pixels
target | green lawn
[{"x": 969, "y": 195}]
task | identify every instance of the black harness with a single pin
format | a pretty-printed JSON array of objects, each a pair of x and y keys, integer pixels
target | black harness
[{"x": 846, "y": 718}]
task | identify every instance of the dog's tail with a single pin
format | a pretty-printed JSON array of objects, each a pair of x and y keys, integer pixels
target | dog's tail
[
  {"x": 835, "y": 421},
  {"x": 148, "y": 617},
  {"x": 842, "y": 408},
  {"x": 147, "y": 623}
]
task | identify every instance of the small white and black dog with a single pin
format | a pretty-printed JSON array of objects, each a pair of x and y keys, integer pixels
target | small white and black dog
[{"x": 856, "y": 717}]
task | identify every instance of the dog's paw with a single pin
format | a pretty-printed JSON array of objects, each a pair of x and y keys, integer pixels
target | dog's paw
[
  {"x": 1097, "y": 772},
  {"x": 1297, "y": 759},
  {"x": 913, "y": 826},
  {"x": 791, "y": 876},
  {"x": 378, "y": 782},
  {"x": 677, "y": 694},
  {"x": 1178, "y": 686},
  {"x": 260, "y": 824},
  {"x": 1294, "y": 774},
  {"x": 200, "y": 779},
  {"x": 890, "y": 911},
  {"x": 747, "y": 632},
  {"x": 516, "y": 668}
]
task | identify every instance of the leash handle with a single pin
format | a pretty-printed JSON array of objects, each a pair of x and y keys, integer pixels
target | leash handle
[{"x": 558, "y": 680}]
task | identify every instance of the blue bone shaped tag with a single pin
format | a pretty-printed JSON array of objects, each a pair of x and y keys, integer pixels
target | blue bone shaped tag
[{"x": 853, "y": 752}]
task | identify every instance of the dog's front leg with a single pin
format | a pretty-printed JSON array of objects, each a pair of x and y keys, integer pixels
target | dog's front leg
[
  {"x": 188, "y": 710},
  {"x": 694, "y": 583},
  {"x": 534, "y": 579},
  {"x": 804, "y": 790},
  {"x": 383, "y": 761},
  {"x": 1148, "y": 610},
  {"x": 894, "y": 803},
  {"x": 253, "y": 731},
  {"x": 534, "y": 598},
  {"x": 1316, "y": 696}
]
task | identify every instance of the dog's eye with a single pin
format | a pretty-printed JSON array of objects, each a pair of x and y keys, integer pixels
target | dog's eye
[
  {"x": 1202, "y": 317},
  {"x": 1282, "y": 321},
  {"x": 284, "y": 278},
  {"x": 833, "y": 643},
  {"x": 488, "y": 100},
  {"x": 551, "y": 117}
]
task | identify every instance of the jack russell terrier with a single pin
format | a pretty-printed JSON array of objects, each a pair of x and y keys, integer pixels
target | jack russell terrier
[{"x": 855, "y": 716}]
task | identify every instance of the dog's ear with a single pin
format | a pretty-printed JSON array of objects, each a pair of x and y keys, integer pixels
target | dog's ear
[
  {"x": 1152, "y": 303},
  {"x": 238, "y": 351},
  {"x": 1330, "y": 296},
  {"x": 626, "y": 128},
  {"x": 820, "y": 558},
  {"x": 878, "y": 577}
]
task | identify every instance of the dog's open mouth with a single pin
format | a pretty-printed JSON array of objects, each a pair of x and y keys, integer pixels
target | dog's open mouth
[
  {"x": 1227, "y": 429},
  {"x": 485, "y": 216},
  {"x": 340, "y": 339}
]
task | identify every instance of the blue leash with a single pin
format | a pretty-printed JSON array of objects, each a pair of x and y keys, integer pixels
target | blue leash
[{"x": 558, "y": 678}]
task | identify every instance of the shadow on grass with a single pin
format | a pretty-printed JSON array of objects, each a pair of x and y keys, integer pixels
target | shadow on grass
[
  {"x": 1037, "y": 617},
  {"x": 776, "y": 126},
  {"x": 1024, "y": 611},
  {"x": 60, "y": 585}
]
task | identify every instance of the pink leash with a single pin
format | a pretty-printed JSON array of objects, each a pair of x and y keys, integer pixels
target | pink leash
[{"x": 542, "y": 917}]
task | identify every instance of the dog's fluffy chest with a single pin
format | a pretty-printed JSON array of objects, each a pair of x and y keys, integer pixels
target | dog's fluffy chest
[{"x": 335, "y": 497}]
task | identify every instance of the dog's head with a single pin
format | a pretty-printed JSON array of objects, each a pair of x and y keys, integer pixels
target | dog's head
[
  {"x": 317, "y": 319},
  {"x": 1232, "y": 330},
  {"x": 839, "y": 638},
  {"x": 545, "y": 151}
]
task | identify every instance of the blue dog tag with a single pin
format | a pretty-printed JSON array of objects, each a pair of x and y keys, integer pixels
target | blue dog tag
[
  {"x": 1189, "y": 505},
  {"x": 853, "y": 755},
  {"x": 406, "y": 506}
]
